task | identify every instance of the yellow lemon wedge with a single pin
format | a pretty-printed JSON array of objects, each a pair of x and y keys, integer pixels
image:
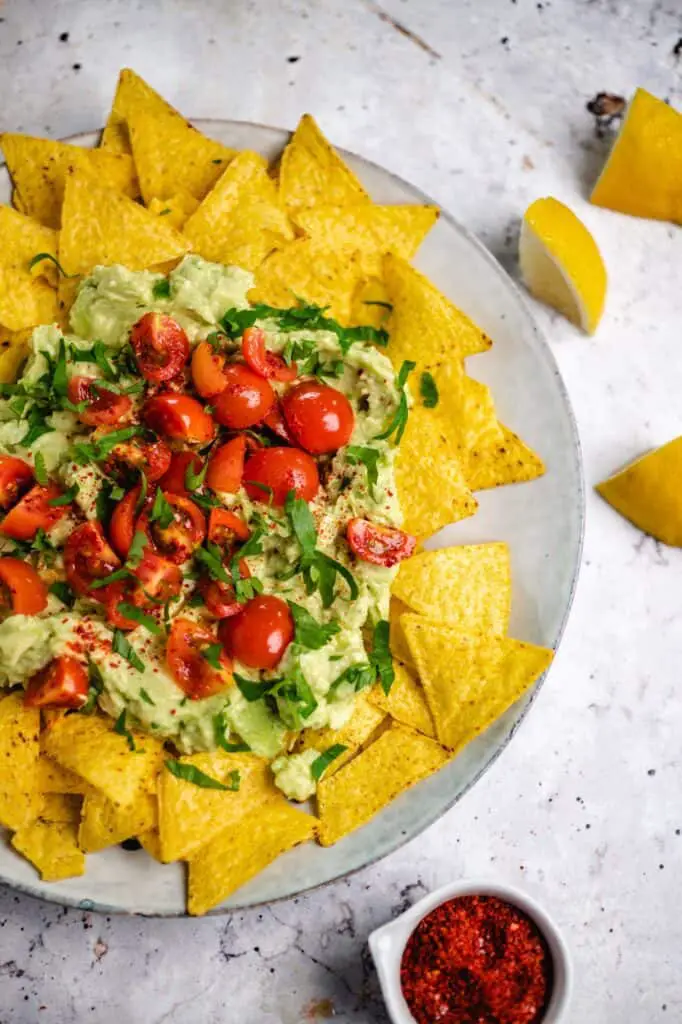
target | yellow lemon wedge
[
  {"x": 643, "y": 174},
  {"x": 648, "y": 493},
  {"x": 561, "y": 264}
]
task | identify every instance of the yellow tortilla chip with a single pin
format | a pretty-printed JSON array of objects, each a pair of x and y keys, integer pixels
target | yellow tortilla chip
[
  {"x": 25, "y": 301},
  {"x": 104, "y": 823},
  {"x": 647, "y": 492},
  {"x": 393, "y": 763},
  {"x": 468, "y": 587},
  {"x": 429, "y": 477},
  {"x": 371, "y": 304},
  {"x": 52, "y": 848},
  {"x": 470, "y": 681},
  {"x": 176, "y": 210},
  {"x": 151, "y": 842},
  {"x": 52, "y": 778},
  {"x": 397, "y": 641},
  {"x": 240, "y": 221},
  {"x": 312, "y": 173},
  {"x": 88, "y": 746},
  {"x": 19, "y": 748},
  {"x": 364, "y": 721},
  {"x": 465, "y": 408},
  {"x": 235, "y": 855},
  {"x": 380, "y": 229},
  {"x": 40, "y": 167},
  {"x": 61, "y": 807},
  {"x": 406, "y": 701},
  {"x": 189, "y": 815},
  {"x": 507, "y": 462},
  {"x": 13, "y": 353},
  {"x": 131, "y": 92},
  {"x": 22, "y": 239}
]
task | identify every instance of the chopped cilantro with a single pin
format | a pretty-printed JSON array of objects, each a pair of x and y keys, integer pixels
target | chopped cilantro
[
  {"x": 321, "y": 763},
  {"x": 135, "y": 614},
  {"x": 63, "y": 591},
  {"x": 380, "y": 657},
  {"x": 253, "y": 690},
  {"x": 145, "y": 696},
  {"x": 300, "y": 318},
  {"x": 40, "y": 470},
  {"x": 99, "y": 450},
  {"x": 96, "y": 687},
  {"x": 121, "y": 728},
  {"x": 162, "y": 511},
  {"x": 136, "y": 550},
  {"x": 189, "y": 773},
  {"x": 39, "y": 257},
  {"x": 66, "y": 498},
  {"x": 399, "y": 421},
  {"x": 369, "y": 457},
  {"x": 428, "y": 389},
  {"x": 220, "y": 736},
  {"x": 195, "y": 480},
  {"x": 310, "y": 633},
  {"x": 320, "y": 571},
  {"x": 120, "y": 645},
  {"x": 213, "y": 654},
  {"x": 161, "y": 289}
]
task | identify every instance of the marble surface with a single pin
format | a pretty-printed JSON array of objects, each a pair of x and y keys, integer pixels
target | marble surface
[{"x": 481, "y": 103}]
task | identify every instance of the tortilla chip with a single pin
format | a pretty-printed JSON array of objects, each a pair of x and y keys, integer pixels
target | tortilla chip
[
  {"x": 381, "y": 229},
  {"x": 19, "y": 748},
  {"x": 52, "y": 848},
  {"x": 364, "y": 721},
  {"x": 425, "y": 326},
  {"x": 176, "y": 210},
  {"x": 151, "y": 842},
  {"x": 397, "y": 641},
  {"x": 468, "y": 587},
  {"x": 406, "y": 701},
  {"x": 507, "y": 462},
  {"x": 52, "y": 778},
  {"x": 470, "y": 681},
  {"x": 429, "y": 477},
  {"x": 88, "y": 746},
  {"x": 370, "y": 304},
  {"x": 105, "y": 823},
  {"x": 312, "y": 173},
  {"x": 237, "y": 854},
  {"x": 25, "y": 301},
  {"x": 22, "y": 239},
  {"x": 131, "y": 92},
  {"x": 13, "y": 353},
  {"x": 61, "y": 807},
  {"x": 40, "y": 167},
  {"x": 189, "y": 815},
  {"x": 465, "y": 408},
  {"x": 240, "y": 221},
  {"x": 393, "y": 763}
]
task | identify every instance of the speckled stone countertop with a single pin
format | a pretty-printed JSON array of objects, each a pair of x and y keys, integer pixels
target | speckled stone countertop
[{"x": 481, "y": 103}]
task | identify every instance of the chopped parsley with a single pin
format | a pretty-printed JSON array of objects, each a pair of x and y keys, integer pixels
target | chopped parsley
[
  {"x": 63, "y": 591},
  {"x": 213, "y": 654},
  {"x": 40, "y": 470},
  {"x": 369, "y": 457},
  {"x": 145, "y": 697},
  {"x": 189, "y": 773},
  {"x": 308, "y": 632},
  {"x": 399, "y": 421},
  {"x": 41, "y": 256},
  {"x": 321, "y": 763},
  {"x": 428, "y": 389},
  {"x": 135, "y": 614},
  {"x": 121, "y": 728},
  {"x": 120, "y": 645},
  {"x": 101, "y": 449},
  {"x": 300, "y": 318},
  {"x": 96, "y": 687},
  {"x": 161, "y": 289},
  {"x": 319, "y": 571},
  {"x": 380, "y": 657},
  {"x": 66, "y": 498},
  {"x": 220, "y": 731},
  {"x": 195, "y": 480},
  {"x": 162, "y": 511}
]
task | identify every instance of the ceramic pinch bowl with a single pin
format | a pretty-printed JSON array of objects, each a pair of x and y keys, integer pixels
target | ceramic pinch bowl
[{"x": 387, "y": 945}]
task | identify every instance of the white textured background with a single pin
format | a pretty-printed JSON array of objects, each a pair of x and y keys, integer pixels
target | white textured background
[{"x": 482, "y": 105}]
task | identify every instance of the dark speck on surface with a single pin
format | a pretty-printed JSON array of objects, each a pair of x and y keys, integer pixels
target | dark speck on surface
[
  {"x": 77, "y": 67},
  {"x": 63, "y": 37},
  {"x": 505, "y": 40},
  {"x": 651, "y": 771},
  {"x": 677, "y": 48},
  {"x": 292, "y": 60},
  {"x": 20, "y": 42}
]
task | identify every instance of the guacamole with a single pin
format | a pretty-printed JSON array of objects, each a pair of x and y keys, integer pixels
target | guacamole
[{"x": 297, "y": 550}]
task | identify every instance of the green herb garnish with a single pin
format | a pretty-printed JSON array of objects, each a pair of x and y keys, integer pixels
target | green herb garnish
[
  {"x": 145, "y": 696},
  {"x": 120, "y": 645},
  {"x": 40, "y": 470},
  {"x": 189, "y": 773},
  {"x": 121, "y": 728},
  {"x": 64, "y": 592},
  {"x": 161, "y": 289},
  {"x": 220, "y": 735},
  {"x": 319, "y": 570},
  {"x": 135, "y": 614},
  {"x": 321, "y": 763},
  {"x": 428, "y": 389},
  {"x": 309, "y": 633},
  {"x": 212, "y": 654},
  {"x": 162, "y": 511},
  {"x": 369, "y": 457},
  {"x": 66, "y": 498},
  {"x": 39, "y": 257},
  {"x": 399, "y": 421},
  {"x": 96, "y": 687}
]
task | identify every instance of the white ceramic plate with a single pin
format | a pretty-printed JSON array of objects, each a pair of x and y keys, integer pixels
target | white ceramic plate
[{"x": 542, "y": 522}]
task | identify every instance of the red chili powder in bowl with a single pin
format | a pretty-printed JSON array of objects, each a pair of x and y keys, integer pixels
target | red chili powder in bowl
[{"x": 476, "y": 960}]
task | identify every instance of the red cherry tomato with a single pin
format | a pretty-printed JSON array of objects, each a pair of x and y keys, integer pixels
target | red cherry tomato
[
  {"x": 226, "y": 466},
  {"x": 158, "y": 579},
  {"x": 33, "y": 513},
  {"x": 219, "y": 597},
  {"x": 380, "y": 545},
  {"x": 208, "y": 370},
  {"x": 179, "y": 417},
  {"x": 260, "y": 634},
  {"x": 149, "y": 457},
  {"x": 246, "y": 399},
  {"x": 122, "y": 522},
  {"x": 88, "y": 558},
  {"x": 23, "y": 586},
  {"x": 187, "y": 531},
  {"x": 225, "y": 528},
  {"x": 320, "y": 418},
  {"x": 61, "y": 684},
  {"x": 191, "y": 671},
  {"x": 104, "y": 407},
  {"x": 174, "y": 479},
  {"x": 282, "y": 470},
  {"x": 16, "y": 476},
  {"x": 116, "y": 594},
  {"x": 263, "y": 362},
  {"x": 160, "y": 345},
  {"x": 275, "y": 422}
]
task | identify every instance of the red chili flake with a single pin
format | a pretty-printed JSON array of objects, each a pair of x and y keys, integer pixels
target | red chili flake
[{"x": 474, "y": 960}]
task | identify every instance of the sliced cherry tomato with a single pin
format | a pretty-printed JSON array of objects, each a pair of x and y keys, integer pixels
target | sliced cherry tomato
[
  {"x": 116, "y": 594},
  {"x": 260, "y": 634},
  {"x": 275, "y": 422},
  {"x": 122, "y": 523},
  {"x": 219, "y": 597},
  {"x": 16, "y": 476},
  {"x": 225, "y": 528},
  {"x": 226, "y": 466},
  {"x": 174, "y": 479},
  {"x": 281, "y": 470},
  {"x": 159, "y": 579},
  {"x": 21, "y": 584},
  {"x": 265, "y": 363},
  {"x": 380, "y": 545},
  {"x": 187, "y": 531},
  {"x": 320, "y": 418},
  {"x": 33, "y": 513},
  {"x": 208, "y": 370},
  {"x": 88, "y": 558},
  {"x": 63, "y": 683},
  {"x": 246, "y": 399},
  {"x": 179, "y": 417},
  {"x": 191, "y": 671},
  {"x": 160, "y": 345},
  {"x": 104, "y": 407},
  {"x": 152, "y": 458}
]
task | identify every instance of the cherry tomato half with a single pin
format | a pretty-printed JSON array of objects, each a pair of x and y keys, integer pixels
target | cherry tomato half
[
  {"x": 208, "y": 370},
  {"x": 152, "y": 458},
  {"x": 281, "y": 470},
  {"x": 226, "y": 466},
  {"x": 260, "y": 634},
  {"x": 63, "y": 683},
  {"x": 88, "y": 558},
  {"x": 246, "y": 399},
  {"x": 16, "y": 476},
  {"x": 190, "y": 669},
  {"x": 122, "y": 522},
  {"x": 380, "y": 545},
  {"x": 174, "y": 479},
  {"x": 33, "y": 512},
  {"x": 179, "y": 417},
  {"x": 320, "y": 418},
  {"x": 23, "y": 586},
  {"x": 225, "y": 528},
  {"x": 275, "y": 422},
  {"x": 159, "y": 579},
  {"x": 160, "y": 345},
  {"x": 178, "y": 540},
  {"x": 219, "y": 597},
  {"x": 104, "y": 408},
  {"x": 261, "y": 361},
  {"x": 116, "y": 594}
]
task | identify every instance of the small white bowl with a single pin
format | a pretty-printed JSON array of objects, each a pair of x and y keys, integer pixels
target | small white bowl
[{"x": 388, "y": 943}]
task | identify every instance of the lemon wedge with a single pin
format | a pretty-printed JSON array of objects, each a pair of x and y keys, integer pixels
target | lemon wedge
[
  {"x": 643, "y": 175},
  {"x": 561, "y": 264},
  {"x": 648, "y": 493}
]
